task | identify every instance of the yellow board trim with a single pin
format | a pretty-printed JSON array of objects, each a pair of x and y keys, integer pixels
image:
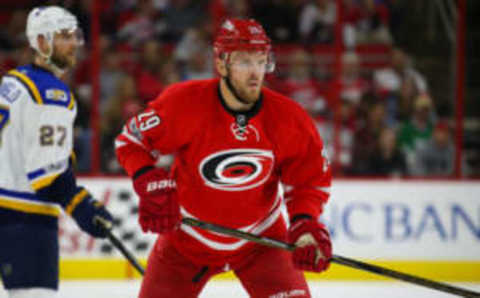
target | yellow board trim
[
  {"x": 454, "y": 271},
  {"x": 72, "y": 101},
  {"x": 29, "y": 207},
  {"x": 46, "y": 181},
  {"x": 29, "y": 83},
  {"x": 75, "y": 201}
]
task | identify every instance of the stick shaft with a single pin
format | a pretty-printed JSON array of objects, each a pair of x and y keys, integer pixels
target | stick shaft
[
  {"x": 404, "y": 277},
  {"x": 335, "y": 259},
  {"x": 107, "y": 225},
  {"x": 119, "y": 245},
  {"x": 237, "y": 233}
]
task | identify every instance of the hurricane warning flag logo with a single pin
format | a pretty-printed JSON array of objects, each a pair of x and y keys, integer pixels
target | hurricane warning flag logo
[{"x": 237, "y": 169}]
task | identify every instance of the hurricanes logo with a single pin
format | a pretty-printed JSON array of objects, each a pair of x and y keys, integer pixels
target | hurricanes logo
[{"x": 237, "y": 169}]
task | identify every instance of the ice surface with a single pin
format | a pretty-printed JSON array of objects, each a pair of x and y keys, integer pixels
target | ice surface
[{"x": 232, "y": 289}]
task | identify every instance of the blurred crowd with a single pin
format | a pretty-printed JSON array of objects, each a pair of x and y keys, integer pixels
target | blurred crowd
[{"x": 376, "y": 102}]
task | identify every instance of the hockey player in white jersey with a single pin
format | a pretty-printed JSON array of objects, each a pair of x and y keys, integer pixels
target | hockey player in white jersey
[{"x": 37, "y": 111}]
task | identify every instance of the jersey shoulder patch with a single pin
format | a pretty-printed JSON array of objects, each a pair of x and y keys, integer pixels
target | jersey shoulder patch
[
  {"x": 9, "y": 91},
  {"x": 43, "y": 87}
]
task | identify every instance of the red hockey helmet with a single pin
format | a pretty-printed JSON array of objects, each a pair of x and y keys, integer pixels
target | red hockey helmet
[{"x": 243, "y": 35}]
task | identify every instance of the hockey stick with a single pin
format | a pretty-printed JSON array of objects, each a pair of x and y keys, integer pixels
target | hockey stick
[
  {"x": 118, "y": 244},
  {"x": 335, "y": 259}
]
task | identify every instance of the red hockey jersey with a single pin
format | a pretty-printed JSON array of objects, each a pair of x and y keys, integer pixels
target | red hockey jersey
[{"x": 236, "y": 169}]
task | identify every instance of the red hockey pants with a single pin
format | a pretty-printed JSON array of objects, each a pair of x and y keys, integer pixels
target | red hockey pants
[{"x": 269, "y": 273}]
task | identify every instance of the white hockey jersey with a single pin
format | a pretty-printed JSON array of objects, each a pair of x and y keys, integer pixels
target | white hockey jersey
[{"x": 37, "y": 111}]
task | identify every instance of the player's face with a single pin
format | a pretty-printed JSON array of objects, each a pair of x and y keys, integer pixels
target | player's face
[
  {"x": 65, "y": 46},
  {"x": 247, "y": 71}
]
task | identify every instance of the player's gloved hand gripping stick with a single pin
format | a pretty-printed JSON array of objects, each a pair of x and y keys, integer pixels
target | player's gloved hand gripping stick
[
  {"x": 85, "y": 214},
  {"x": 313, "y": 248}
]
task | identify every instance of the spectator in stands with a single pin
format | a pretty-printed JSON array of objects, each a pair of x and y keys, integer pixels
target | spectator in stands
[
  {"x": 417, "y": 130},
  {"x": 181, "y": 15},
  {"x": 123, "y": 105},
  {"x": 194, "y": 40},
  {"x": 317, "y": 20},
  {"x": 366, "y": 136},
  {"x": 406, "y": 99},
  {"x": 391, "y": 78},
  {"x": 398, "y": 84},
  {"x": 199, "y": 65},
  {"x": 346, "y": 134},
  {"x": 279, "y": 18},
  {"x": 370, "y": 19},
  {"x": 352, "y": 86},
  {"x": 436, "y": 156},
  {"x": 82, "y": 133},
  {"x": 110, "y": 73},
  {"x": 148, "y": 75},
  {"x": 300, "y": 84},
  {"x": 387, "y": 159},
  {"x": 141, "y": 26},
  {"x": 170, "y": 73},
  {"x": 348, "y": 125}
]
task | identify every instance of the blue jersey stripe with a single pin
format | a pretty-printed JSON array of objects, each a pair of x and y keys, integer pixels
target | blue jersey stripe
[
  {"x": 36, "y": 174},
  {"x": 18, "y": 194},
  {"x": 25, "y": 195}
]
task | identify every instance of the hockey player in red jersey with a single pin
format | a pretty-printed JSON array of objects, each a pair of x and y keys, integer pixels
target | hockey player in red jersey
[{"x": 242, "y": 154}]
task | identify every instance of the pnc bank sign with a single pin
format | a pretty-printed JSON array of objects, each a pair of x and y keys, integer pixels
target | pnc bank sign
[
  {"x": 405, "y": 219},
  {"x": 401, "y": 222}
]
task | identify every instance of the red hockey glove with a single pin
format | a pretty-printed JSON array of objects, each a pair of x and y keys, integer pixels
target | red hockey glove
[
  {"x": 159, "y": 211},
  {"x": 314, "y": 248}
]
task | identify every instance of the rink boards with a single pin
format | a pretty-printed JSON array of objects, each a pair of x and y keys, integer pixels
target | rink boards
[{"x": 428, "y": 228}]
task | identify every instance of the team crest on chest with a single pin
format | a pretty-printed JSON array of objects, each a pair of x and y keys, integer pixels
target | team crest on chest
[{"x": 237, "y": 169}]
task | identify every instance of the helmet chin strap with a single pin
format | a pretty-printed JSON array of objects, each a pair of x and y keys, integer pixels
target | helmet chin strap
[
  {"x": 55, "y": 68},
  {"x": 48, "y": 59}
]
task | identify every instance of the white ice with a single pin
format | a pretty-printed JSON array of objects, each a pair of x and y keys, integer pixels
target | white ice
[{"x": 232, "y": 289}]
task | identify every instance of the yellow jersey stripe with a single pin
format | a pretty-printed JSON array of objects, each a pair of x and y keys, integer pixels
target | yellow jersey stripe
[
  {"x": 29, "y": 83},
  {"x": 28, "y": 207},
  {"x": 73, "y": 157},
  {"x": 46, "y": 181},
  {"x": 72, "y": 101},
  {"x": 75, "y": 201}
]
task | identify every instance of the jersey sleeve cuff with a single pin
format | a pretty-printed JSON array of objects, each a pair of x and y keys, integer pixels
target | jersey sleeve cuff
[
  {"x": 76, "y": 200},
  {"x": 307, "y": 207}
]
